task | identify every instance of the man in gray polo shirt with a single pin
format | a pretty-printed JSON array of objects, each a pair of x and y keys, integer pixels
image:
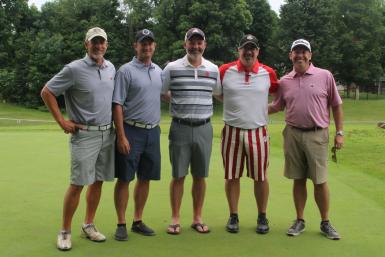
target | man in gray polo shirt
[
  {"x": 190, "y": 82},
  {"x": 87, "y": 85},
  {"x": 136, "y": 111}
]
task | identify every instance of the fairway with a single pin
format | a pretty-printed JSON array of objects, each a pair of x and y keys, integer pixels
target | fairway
[{"x": 35, "y": 173}]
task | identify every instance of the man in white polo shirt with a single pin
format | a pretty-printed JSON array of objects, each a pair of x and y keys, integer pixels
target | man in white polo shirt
[
  {"x": 191, "y": 81},
  {"x": 246, "y": 84},
  {"x": 87, "y": 85}
]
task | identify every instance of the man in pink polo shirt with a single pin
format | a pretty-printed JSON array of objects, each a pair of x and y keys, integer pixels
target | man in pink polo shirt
[
  {"x": 246, "y": 84},
  {"x": 307, "y": 93}
]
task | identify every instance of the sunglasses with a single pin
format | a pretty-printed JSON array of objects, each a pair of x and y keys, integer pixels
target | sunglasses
[{"x": 334, "y": 154}]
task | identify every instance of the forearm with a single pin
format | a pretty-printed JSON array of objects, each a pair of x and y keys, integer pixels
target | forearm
[
  {"x": 117, "y": 113},
  {"x": 338, "y": 117},
  {"x": 52, "y": 105}
]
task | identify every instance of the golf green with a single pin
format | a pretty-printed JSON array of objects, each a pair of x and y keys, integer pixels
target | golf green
[{"x": 35, "y": 173}]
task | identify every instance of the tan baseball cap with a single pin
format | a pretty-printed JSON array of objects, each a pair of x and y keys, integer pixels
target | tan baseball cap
[{"x": 95, "y": 32}]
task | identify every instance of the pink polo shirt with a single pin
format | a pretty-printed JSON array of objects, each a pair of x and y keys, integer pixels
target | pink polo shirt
[{"x": 307, "y": 97}]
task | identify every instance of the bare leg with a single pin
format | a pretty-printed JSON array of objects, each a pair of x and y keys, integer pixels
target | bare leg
[
  {"x": 232, "y": 188},
  {"x": 121, "y": 200},
  {"x": 94, "y": 192},
  {"x": 140, "y": 197},
  {"x": 198, "y": 195},
  {"x": 176, "y": 194},
  {"x": 71, "y": 202},
  {"x": 321, "y": 195},
  {"x": 300, "y": 196},
  {"x": 261, "y": 193}
]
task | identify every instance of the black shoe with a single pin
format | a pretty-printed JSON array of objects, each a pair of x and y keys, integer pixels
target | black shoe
[
  {"x": 262, "y": 225},
  {"x": 141, "y": 228},
  {"x": 233, "y": 224}
]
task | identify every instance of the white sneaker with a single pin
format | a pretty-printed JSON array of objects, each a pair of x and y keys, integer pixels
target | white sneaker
[
  {"x": 64, "y": 241},
  {"x": 89, "y": 231}
]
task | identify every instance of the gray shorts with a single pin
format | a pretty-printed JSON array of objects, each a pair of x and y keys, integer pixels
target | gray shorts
[
  {"x": 92, "y": 156},
  {"x": 190, "y": 146}
]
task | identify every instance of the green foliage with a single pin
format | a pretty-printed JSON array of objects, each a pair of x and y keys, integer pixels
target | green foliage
[
  {"x": 222, "y": 21},
  {"x": 314, "y": 20},
  {"x": 361, "y": 31},
  {"x": 347, "y": 36}
]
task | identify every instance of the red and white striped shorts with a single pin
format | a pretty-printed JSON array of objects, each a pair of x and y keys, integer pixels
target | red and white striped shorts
[{"x": 240, "y": 144}]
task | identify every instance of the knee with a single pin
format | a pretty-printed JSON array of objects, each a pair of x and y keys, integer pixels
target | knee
[{"x": 74, "y": 190}]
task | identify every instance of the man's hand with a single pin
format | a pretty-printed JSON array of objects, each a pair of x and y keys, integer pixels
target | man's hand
[
  {"x": 338, "y": 141},
  {"x": 69, "y": 126},
  {"x": 123, "y": 145}
]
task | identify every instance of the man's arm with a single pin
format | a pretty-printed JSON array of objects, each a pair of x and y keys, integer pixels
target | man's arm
[
  {"x": 338, "y": 120},
  {"x": 219, "y": 98},
  {"x": 50, "y": 101},
  {"x": 122, "y": 143},
  {"x": 166, "y": 97}
]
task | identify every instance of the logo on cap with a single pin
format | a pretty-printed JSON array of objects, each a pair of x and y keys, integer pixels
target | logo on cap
[{"x": 146, "y": 32}]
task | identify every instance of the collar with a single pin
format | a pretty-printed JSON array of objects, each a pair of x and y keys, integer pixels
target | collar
[
  {"x": 309, "y": 71},
  {"x": 91, "y": 62},
  {"x": 241, "y": 68},
  {"x": 141, "y": 65},
  {"x": 186, "y": 63}
]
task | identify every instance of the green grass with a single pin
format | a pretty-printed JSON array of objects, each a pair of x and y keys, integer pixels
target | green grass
[{"x": 35, "y": 173}]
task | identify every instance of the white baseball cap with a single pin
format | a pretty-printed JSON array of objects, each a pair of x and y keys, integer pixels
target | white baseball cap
[{"x": 301, "y": 42}]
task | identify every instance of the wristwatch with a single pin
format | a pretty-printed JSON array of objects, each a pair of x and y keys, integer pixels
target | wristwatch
[{"x": 340, "y": 133}]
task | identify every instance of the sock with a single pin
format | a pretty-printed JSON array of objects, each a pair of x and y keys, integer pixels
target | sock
[
  {"x": 234, "y": 215},
  {"x": 262, "y": 215},
  {"x": 136, "y": 222},
  {"x": 121, "y": 224},
  {"x": 301, "y": 220},
  {"x": 324, "y": 222}
]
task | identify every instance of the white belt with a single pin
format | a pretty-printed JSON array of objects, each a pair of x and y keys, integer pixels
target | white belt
[
  {"x": 140, "y": 125},
  {"x": 97, "y": 128}
]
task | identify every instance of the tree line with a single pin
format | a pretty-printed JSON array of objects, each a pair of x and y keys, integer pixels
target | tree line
[{"x": 347, "y": 36}]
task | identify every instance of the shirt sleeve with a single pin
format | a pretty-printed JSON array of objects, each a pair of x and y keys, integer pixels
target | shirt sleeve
[
  {"x": 273, "y": 81},
  {"x": 218, "y": 86},
  {"x": 165, "y": 80},
  {"x": 334, "y": 96},
  {"x": 61, "y": 81},
  {"x": 121, "y": 86}
]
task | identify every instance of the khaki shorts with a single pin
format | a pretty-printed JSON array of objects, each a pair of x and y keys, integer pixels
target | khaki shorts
[
  {"x": 92, "y": 156},
  {"x": 306, "y": 154}
]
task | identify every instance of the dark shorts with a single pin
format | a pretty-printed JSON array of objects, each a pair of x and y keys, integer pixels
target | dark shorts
[{"x": 144, "y": 156}]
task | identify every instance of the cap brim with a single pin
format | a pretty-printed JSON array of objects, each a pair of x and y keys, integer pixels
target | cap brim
[
  {"x": 249, "y": 42},
  {"x": 144, "y": 37},
  {"x": 196, "y": 34},
  {"x": 303, "y": 45},
  {"x": 97, "y": 35}
]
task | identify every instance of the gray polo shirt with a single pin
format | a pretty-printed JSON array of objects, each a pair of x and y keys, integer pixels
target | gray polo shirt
[
  {"x": 137, "y": 89},
  {"x": 87, "y": 90}
]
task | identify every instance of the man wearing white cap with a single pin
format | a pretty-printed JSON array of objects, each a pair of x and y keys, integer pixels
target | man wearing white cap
[
  {"x": 87, "y": 85},
  {"x": 307, "y": 93}
]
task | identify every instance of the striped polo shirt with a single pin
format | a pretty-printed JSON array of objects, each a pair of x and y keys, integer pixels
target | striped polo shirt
[
  {"x": 191, "y": 88},
  {"x": 245, "y": 94}
]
